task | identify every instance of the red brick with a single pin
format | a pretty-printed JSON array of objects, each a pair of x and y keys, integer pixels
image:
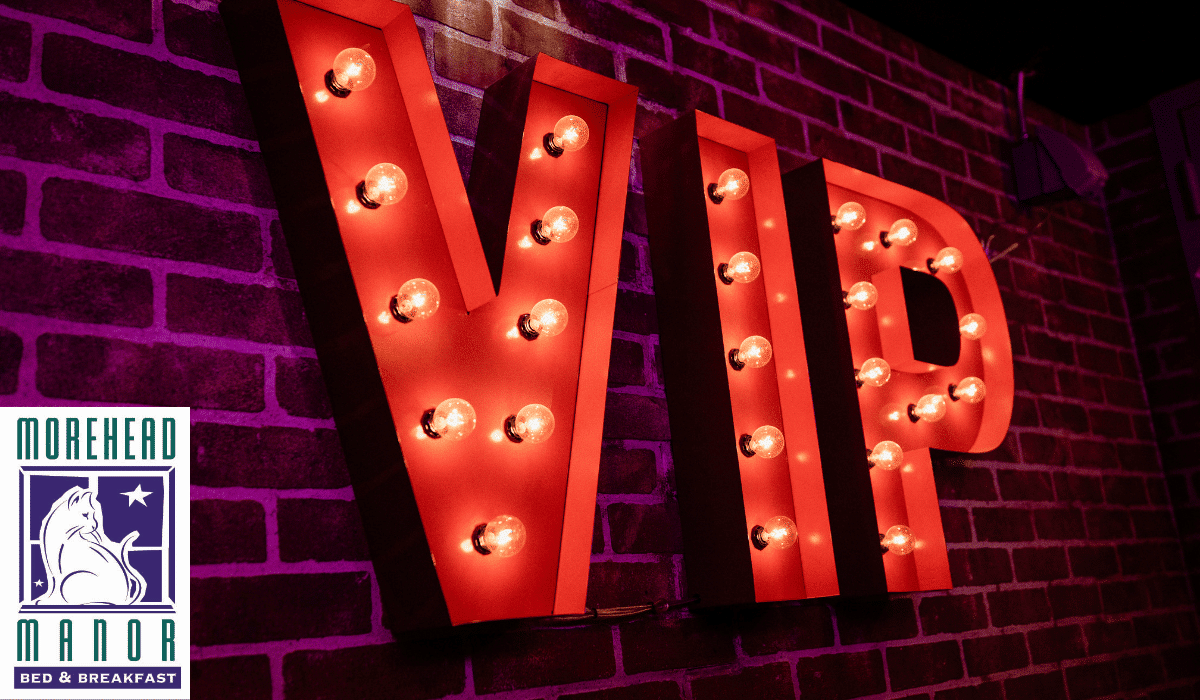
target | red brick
[
  {"x": 268, "y": 457},
  {"x": 466, "y": 63},
  {"x": 1053, "y": 256},
  {"x": 1108, "y": 524},
  {"x": 1055, "y": 644},
  {"x": 837, "y": 676},
  {"x": 1098, "y": 562},
  {"x": 1045, "y": 347},
  {"x": 753, "y": 41},
  {"x": 658, "y": 690},
  {"x": 1123, "y": 596},
  {"x": 979, "y": 567},
  {"x": 770, "y": 682},
  {"x": 924, "y": 664},
  {"x": 405, "y": 671},
  {"x": 1018, "y": 607},
  {"x": 975, "y": 108},
  {"x": 627, "y": 471},
  {"x": 615, "y": 24},
  {"x": 200, "y": 167},
  {"x": 968, "y": 196},
  {"x": 713, "y": 62},
  {"x": 473, "y": 17},
  {"x": 824, "y": 143},
  {"x": 844, "y": 80},
  {"x": 1063, "y": 416},
  {"x": 939, "y": 153},
  {"x": 1167, "y": 591},
  {"x": 232, "y": 677},
  {"x": 1040, "y": 563},
  {"x": 901, "y": 105},
  {"x": 635, "y": 417},
  {"x": 862, "y": 621},
  {"x": 1150, "y": 524},
  {"x": 872, "y": 125},
  {"x": 315, "y": 529},
  {"x": 990, "y": 173},
  {"x": 15, "y": 43},
  {"x": 660, "y": 644},
  {"x": 1074, "y": 600},
  {"x": 853, "y": 51},
  {"x": 12, "y": 202},
  {"x": 912, "y": 175},
  {"x": 1181, "y": 661},
  {"x": 531, "y": 658},
  {"x": 670, "y": 89},
  {"x": 915, "y": 79},
  {"x": 1139, "y": 672},
  {"x": 769, "y": 629},
  {"x": 945, "y": 67},
  {"x": 635, "y": 313},
  {"x": 1024, "y": 485},
  {"x": 952, "y": 613},
  {"x": 786, "y": 129},
  {"x": 597, "y": 532},
  {"x": 1092, "y": 680},
  {"x": 1110, "y": 423},
  {"x": 280, "y": 606},
  {"x": 300, "y": 389},
  {"x": 638, "y": 528},
  {"x": 1058, "y": 523},
  {"x": 800, "y": 98},
  {"x": 963, "y": 133},
  {"x": 1043, "y": 449},
  {"x": 1003, "y": 525},
  {"x": 100, "y": 217},
  {"x": 986, "y": 655},
  {"x": 281, "y": 260},
  {"x": 89, "y": 368},
  {"x": 983, "y": 691},
  {"x": 692, "y": 15},
  {"x": 197, "y": 34},
  {"x": 1144, "y": 558},
  {"x": 228, "y": 531},
  {"x": 777, "y": 16},
  {"x": 528, "y": 37},
  {"x": 1043, "y": 686},
  {"x": 461, "y": 111},
  {"x": 880, "y": 35},
  {"x": 956, "y": 524},
  {"x": 613, "y": 584},
  {"x": 86, "y": 291},
  {"x": 247, "y": 311},
  {"x": 78, "y": 67},
  {"x": 11, "y": 349},
  {"x": 1124, "y": 490},
  {"x": 128, "y": 19},
  {"x": 51, "y": 134}
]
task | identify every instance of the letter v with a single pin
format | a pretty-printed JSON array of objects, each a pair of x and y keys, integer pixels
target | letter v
[{"x": 422, "y": 498}]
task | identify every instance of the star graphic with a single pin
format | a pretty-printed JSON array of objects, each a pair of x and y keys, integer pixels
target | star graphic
[
  {"x": 38, "y": 583},
  {"x": 137, "y": 495}
]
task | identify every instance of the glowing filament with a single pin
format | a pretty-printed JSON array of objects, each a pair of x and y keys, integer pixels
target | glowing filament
[
  {"x": 754, "y": 352},
  {"x": 384, "y": 184},
  {"x": 874, "y": 372},
  {"x": 417, "y": 299},
  {"x": 570, "y": 134},
  {"x": 862, "y": 296},
  {"x": 732, "y": 184},
  {"x": 947, "y": 260},
  {"x": 534, "y": 423},
  {"x": 742, "y": 267},
  {"x": 558, "y": 225},
  {"x": 547, "y": 318},
  {"x": 353, "y": 69},
  {"x": 778, "y": 532},
  {"x": 766, "y": 442},
  {"x": 850, "y": 216},
  {"x": 453, "y": 419},
  {"x": 972, "y": 326},
  {"x": 902, "y": 233},
  {"x": 930, "y": 407},
  {"x": 970, "y": 390},
  {"x": 887, "y": 455},
  {"x": 503, "y": 536},
  {"x": 898, "y": 540}
]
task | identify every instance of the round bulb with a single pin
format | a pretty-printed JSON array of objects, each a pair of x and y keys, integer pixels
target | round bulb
[
  {"x": 766, "y": 442},
  {"x": 504, "y": 536},
  {"x": 754, "y": 352},
  {"x": 862, "y": 295},
  {"x": 972, "y": 326},
  {"x": 559, "y": 224},
  {"x": 779, "y": 532},
  {"x": 850, "y": 216},
  {"x": 384, "y": 184},
  {"x": 887, "y": 455},
  {"x": 733, "y": 184},
  {"x": 947, "y": 260},
  {"x": 353, "y": 69},
  {"x": 548, "y": 318},
  {"x": 903, "y": 232},
  {"x": 571, "y": 133},
  {"x": 930, "y": 407},
  {"x": 534, "y": 423},
  {"x": 970, "y": 390},
  {"x": 874, "y": 372},
  {"x": 453, "y": 419},
  {"x": 743, "y": 267},
  {"x": 417, "y": 299},
  {"x": 899, "y": 540}
]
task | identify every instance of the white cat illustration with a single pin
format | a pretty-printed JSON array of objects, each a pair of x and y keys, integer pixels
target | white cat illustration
[{"x": 83, "y": 566}]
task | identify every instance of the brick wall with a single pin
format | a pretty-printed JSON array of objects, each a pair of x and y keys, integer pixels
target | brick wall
[{"x": 129, "y": 173}]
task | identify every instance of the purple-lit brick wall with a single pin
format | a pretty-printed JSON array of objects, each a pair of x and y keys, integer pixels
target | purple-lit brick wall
[{"x": 143, "y": 263}]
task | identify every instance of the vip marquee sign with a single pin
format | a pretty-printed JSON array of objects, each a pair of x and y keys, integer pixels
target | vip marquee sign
[{"x": 821, "y": 330}]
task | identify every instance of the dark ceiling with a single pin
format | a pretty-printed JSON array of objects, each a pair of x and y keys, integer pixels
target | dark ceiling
[{"x": 1091, "y": 61}]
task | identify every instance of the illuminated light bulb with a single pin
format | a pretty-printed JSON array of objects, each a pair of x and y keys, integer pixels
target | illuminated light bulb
[
  {"x": 754, "y": 352},
  {"x": 417, "y": 299},
  {"x": 353, "y": 69},
  {"x": 972, "y": 326},
  {"x": 733, "y": 184},
  {"x": 558, "y": 224},
  {"x": 887, "y": 455},
  {"x": 766, "y": 442},
  {"x": 898, "y": 540},
  {"x": 503, "y": 535},
  {"x": 570, "y": 134},
  {"x": 778, "y": 532},
  {"x": 930, "y": 407},
  {"x": 874, "y": 372},
  {"x": 742, "y": 267},
  {"x": 947, "y": 260},
  {"x": 547, "y": 318},
  {"x": 902, "y": 233},
  {"x": 384, "y": 184},
  {"x": 862, "y": 296},
  {"x": 534, "y": 423},
  {"x": 453, "y": 419},
  {"x": 970, "y": 390},
  {"x": 850, "y": 216}
]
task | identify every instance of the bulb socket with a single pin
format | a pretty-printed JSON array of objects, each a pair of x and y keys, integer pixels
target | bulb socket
[
  {"x": 723, "y": 273},
  {"x": 883, "y": 239},
  {"x": 929, "y": 264},
  {"x": 746, "y": 445},
  {"x": 883, "y": 548},
  {"x": 510, "y": 429},
  {"x": 427, "y": 425},
  {"x": 714, "y": 194},
  {"x": 332, "y": 86},
  {"x": 858, "y": 382},
  {"x": 845, "y": 299},
  {"x": 837, "y": 228},
  {"x": 734, "y": 361},
  {"x": 394, "y": 306},
  {"x": 525, "y": 328},
  {"x": 758, "y": 537},
  {"x": 912, "y": 413},
  {"x": 952, "y": 396},
  {"x": 552, "y": 148},
  {"x": 363, "y": 199},
  {"x": 535, "y": 231},
  {"x": 477, "y": 539}
]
